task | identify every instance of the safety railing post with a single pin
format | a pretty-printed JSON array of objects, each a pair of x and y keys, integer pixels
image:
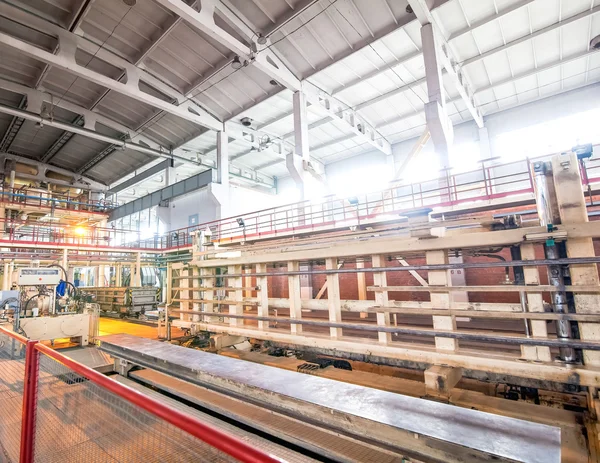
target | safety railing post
[{"x": 30, "y": 389}]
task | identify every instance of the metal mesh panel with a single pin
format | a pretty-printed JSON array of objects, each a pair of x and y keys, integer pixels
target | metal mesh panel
[
  {"x": 12, "y": 374},
  {"x": 78, "y": 420}
]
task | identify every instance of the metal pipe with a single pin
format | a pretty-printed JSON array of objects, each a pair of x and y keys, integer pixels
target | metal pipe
[
  {"x": 549, "y": 214},
  {"x": 92, "y": 134},
  {"x": 518, "y": 340},
  {"x": 474, "y": 265}
]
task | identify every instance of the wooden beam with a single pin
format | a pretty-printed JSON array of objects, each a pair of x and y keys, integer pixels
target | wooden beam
[
  {"x": 294, "y": 295},
  {"x": 381, "y": 298},
  {"x": 333, "y": 298},
  {"x": 441, "y": 300}
]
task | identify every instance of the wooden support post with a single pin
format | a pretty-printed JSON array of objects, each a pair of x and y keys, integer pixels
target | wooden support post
[
  {"x": 248, "y": 283},
  {"x": 263, "y": 296},
  {"x": 324, "y": 287},
  {"x": 381, "y": 298},
  {"x": 195, "y": 273},
  {"x": 572, "y": 208},
  {"x": 441, "y": 300},
  {"x": 168, "y": 286},
  {"x": 184, "y": 294},
  {"x": 237, "y": 295},
  {"x": 362, "y": 285},
  {"x": 535, "y": 303},
  {"x": 295, "y": 298},
  {"x": 208, "y": 294},
  {"x": 333, "y": 297},
  {"x": 439, "y": 380}
]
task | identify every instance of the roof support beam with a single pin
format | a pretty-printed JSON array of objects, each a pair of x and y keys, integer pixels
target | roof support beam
[
  {"x": 69, "y": 43},
  {"x": 422, "y": 9},
  {"x": 263, "y": 57},
  {"x": 148, "y": 173}
]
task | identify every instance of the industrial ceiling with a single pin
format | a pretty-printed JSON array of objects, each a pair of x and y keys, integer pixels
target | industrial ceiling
[{"x": 159, "y": 75}]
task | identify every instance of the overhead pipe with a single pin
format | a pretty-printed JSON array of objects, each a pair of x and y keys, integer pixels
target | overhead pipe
[{"x": 92, "y": 134}]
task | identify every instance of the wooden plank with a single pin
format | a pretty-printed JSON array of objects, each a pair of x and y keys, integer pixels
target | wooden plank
[
  {"x": 324, "y": 287},
  {"x": 333, "y": 298},
  {"x": 237, "y": 307},
  {"x": 573, "y": 211},
  {"x": 485, "y": 289},
  {"x": 469, "y": 359},
  {"x": 535, "y": 304},
  {"x": 295, "y": 296},
  {"x": 361, "y": 280},
  {"x": 441, "y": 300},
  {"x": 263, "y": 296},
  {"x": 381, "y": 298}
]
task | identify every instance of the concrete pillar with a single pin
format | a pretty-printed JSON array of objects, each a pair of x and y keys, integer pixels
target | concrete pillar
[
  {"x": 101, "y": 276},
  {"x": 118, "y": 275},
  {"x": 136, "y": 277},
  {"x": 295, "y": 162},
  {"x": 485, "y": 149},
  {"x": 301, "y": 126},
  {"x": 169, "y": 175},
  {"x": 65, "y": 261},
  {"x": 222, "y": 158},
  {"x": 6, "y": 277},
  {"x": 438, "y": 122}
]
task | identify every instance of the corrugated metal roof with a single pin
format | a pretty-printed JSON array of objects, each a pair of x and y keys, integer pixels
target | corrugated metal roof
[{"x": 366, "y": 53}]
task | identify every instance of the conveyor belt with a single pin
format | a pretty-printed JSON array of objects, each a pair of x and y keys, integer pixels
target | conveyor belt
[{"x": 446, "y": 433}]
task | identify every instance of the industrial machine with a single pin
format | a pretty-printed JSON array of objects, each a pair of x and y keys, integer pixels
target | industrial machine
[
  {"x": 125, "y": 301},
  {"x": 468, "y": 304},
  {"x": 35, "y": 310}
]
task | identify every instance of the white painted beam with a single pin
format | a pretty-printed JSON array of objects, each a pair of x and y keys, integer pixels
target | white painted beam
[{"x": 65, "y": 59}]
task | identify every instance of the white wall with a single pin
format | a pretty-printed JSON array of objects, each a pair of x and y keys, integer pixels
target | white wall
[
  {"x": 200, "y": 202},
  {"x": 566, "y": 104}
]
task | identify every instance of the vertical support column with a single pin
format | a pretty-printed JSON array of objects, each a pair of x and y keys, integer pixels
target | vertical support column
[
  {"x": 301, "y": 126},
  {"x": 535, "y": 303},
  {"x": 65, "y": 261},
  {"x": 263, "y": 296},
  {"x": 196, "y": 306},
  {"x": 222, "y": 158},
  {"x": 169, "y": 283},
  {"x": 295, "y": 296},
  {"x": 6, "y": 277},
  {"x": 572, "y": 210},
  {"x": 119, "y": 275},
  {"x": 441, "y": 300},
  {"x": 362, "y": 286},
  {"x": 485, "y": 150},
  {"x": 438, "y": 122},
  {"x": 381, "y": 298},
  {"x": 236, "y": 282},
  {"x": 136, "y": 279},
  {"x": 102, "y": 276},
  {"x": 208, "y": 294},
  {"x": 248, "y": 283},
  {"x": 30, "y": 389},
  {"x": 184, "y": 294},
  {"x": 295, "y": 161},
  {"x": 333, "y": 297}
]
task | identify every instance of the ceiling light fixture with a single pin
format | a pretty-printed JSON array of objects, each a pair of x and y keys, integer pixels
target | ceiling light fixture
[
  {"x": 236, "y": 63},
  {"x": 130, "y": 3},
  {"x": 261, "y": 40},
  {"x": 595, "y": 43}
]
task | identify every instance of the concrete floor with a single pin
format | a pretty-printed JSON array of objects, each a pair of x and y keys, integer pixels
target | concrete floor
[{"x": 117, "y": 326}]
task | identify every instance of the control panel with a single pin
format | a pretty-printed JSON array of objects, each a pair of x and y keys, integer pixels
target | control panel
[{"x": 39, "y": 276}]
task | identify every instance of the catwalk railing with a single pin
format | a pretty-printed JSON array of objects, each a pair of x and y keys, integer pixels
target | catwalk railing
[
  {"x": 55, "y": 409},
  {"x": 39, "y": 198},
  {"x": 488, "y": 185}
]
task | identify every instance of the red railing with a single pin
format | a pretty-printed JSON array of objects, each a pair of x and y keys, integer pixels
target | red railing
[
  {"x": 61, "y": 384},
  {"x": 487, "y": 184}
]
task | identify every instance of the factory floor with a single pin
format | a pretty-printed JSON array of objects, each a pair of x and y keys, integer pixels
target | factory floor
[{"x": 143, "y": 330}]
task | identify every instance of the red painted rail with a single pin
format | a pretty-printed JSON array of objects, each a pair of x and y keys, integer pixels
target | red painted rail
[{"x": 214, "y": 437}]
